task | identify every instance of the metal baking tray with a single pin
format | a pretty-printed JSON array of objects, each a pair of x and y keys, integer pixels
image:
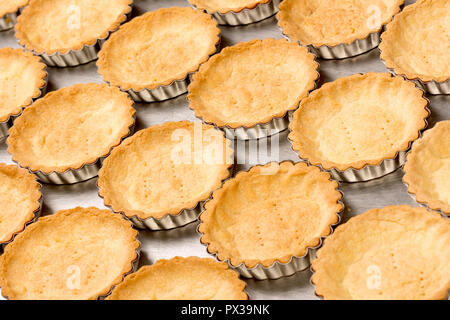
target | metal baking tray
[{"x": 358, "y": 197}]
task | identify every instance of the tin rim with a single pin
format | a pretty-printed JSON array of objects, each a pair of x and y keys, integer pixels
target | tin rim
[
  {"x": 342, "y": 175},
  {"x": 246, "y": 16},
  {"x": 49, "y": 59},
  {"x": 306, "y": 258},
  {"x": 76, "y": 171}
]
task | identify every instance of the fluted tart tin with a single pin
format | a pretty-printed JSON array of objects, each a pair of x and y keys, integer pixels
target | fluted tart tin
[
  {"x": 278, "y": 269},
  {"x": 74, "y": 57},
  {"x": 245, "y": 16}
]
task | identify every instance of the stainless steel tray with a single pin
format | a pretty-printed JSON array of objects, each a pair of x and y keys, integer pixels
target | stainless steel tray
[{"x": 156, "y": 245}]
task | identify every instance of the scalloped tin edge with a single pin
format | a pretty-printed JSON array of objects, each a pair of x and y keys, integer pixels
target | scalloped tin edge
[
  {"x": 279, "y": 270},
  {"x": 246, "y": 16}
]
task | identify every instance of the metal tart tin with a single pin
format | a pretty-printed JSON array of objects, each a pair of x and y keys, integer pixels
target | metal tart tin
[
  {"x": 279, "y": 270},
  {"x": 260, "y": 12},
  {"x": 370, "y": 172},
  {"x": 72, "y": 176},
  {"x": 170, "y": 221},
  {"x": 37, "y": 214},
  {"x": 75, "y": 58},
  {"x": 6, "y": 125},
  {"x": 164, "y": 92}
]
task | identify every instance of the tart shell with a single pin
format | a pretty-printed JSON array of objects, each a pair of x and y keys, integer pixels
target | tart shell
[
  {"x": 40, "y": 81},
  {"x": 389, "y": 36},
  {"x": 268, "y": 268},
  {"x": 182, "y": 265},
  {"x": 298, "y": 143},
  {"x": 108, "y": 165},
  {"x": 103, "y": 64},
  {"x": 290, "y": 30},
  {"x": 200, "y": 4},
  {"x": 67, "y": 92},
  {"x": 48, "y": 221},
  {"x": 204, "y": 114},
  {"x": 34, "y": 7},
  {"x": 340, "y": 243}
]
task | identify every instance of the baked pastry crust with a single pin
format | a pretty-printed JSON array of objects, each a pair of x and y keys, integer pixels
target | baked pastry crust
[
  {"x": 227, "y": 6},
  {"x": 146, "y": 176},
  {"x": 330, "y": 22},
  {"x": 20, "y": 200},
  {"x": 39, "y": 262},
  {"x": 98, "y": 18},
  {"x": 252, "y": 82},
  {"x": 427, "y": 168},
  {"x": 180, "y": 278},
  {"x": 11, "y": 6},
  {"x": 405, "y": 248},
  {"x": 90, "y": 120},
  {"x": 22, "y": 77},
  {"x": 136, "y": 58},
  {"x": 371, "y": 118},
  {"x": 419, "y": 53},
  {"x": 264, "y": 215}
]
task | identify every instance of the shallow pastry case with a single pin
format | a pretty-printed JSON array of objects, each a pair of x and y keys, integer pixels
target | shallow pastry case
[{"x": 185, "y": 241}]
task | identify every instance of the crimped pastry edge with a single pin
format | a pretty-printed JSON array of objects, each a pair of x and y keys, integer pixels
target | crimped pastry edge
[{"x": 358, "y": 165}]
